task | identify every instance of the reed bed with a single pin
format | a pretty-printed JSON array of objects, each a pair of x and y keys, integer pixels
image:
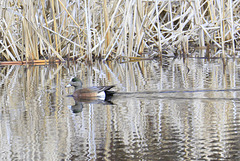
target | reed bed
[{"x": 115, "y": 29}]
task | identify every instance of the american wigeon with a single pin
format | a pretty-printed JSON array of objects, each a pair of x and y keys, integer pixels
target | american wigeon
[{"x": 100, "y": 92}]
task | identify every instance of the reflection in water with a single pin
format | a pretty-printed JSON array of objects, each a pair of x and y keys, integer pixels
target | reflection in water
[
  {"x": 173, "y": 111},
  {"x": 89, "y": 100}
]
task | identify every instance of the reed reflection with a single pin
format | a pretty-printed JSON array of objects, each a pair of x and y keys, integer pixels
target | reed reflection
[
  {"x": 145, "y": 122},
  {"x": 79, "y": 102}
]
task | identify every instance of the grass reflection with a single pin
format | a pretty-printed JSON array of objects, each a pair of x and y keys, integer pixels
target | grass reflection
[{"x": 186, "y": 109}]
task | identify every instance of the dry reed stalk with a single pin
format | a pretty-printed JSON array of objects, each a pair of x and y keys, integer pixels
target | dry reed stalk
[
  {"x": 105, "y": 10},
  {"x": 159, "y": 46},
  {"x": 45, "y": 41},
  {"x": 80, "y": 29},
  {"x": 231, "y": 24},
  {"x": 54, "y": 24},
  {"x": 131, "y": 16},
  {"x": 116, "y": 35},
  {"x": 88, "y": 26},
  {"x": 222, "y": 25},
  {"x": 26, "y": 39},
  {"x": 46, "y": 22},
  {"x": 139, "y": 28},
  {"x": 8, "y": 55},
  {"x": 9, "y": 43}
]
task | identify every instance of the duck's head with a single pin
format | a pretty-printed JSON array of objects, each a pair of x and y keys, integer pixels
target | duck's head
[{"x": 75, "y": 82}]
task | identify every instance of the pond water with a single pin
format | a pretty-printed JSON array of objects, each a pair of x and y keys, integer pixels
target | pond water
[{"x": 175, "y": 110}]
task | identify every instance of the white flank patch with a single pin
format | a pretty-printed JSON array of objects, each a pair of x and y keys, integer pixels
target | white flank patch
[{"x": 102, "y": 95}]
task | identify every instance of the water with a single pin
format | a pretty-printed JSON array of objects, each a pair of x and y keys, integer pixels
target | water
[{"x": 174, "y": 110}]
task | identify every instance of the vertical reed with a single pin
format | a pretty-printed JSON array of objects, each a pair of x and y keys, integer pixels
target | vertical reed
[{"x": 83, "y": 29}]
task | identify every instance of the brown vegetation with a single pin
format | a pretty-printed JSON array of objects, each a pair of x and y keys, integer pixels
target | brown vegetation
[{"x": 86, "y": 30}]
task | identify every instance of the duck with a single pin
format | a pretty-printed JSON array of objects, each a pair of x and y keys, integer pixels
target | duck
[{"x": 94, "y": 92}]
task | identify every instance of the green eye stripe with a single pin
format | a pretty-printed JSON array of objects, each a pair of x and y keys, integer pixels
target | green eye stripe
[{"x": 74, "y": 79}]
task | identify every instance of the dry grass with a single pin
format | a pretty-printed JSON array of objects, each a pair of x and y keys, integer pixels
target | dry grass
[{"x": 86, "y": 30}]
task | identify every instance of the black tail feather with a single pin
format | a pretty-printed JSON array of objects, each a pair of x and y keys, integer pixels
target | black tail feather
[{"x": 110, "y": 93}]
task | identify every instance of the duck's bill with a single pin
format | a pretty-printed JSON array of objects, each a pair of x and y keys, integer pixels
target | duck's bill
[{"x": 69, "y": 85}]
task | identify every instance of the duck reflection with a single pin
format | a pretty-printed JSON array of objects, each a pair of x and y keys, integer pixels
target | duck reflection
[{"x": 78, "y": 107}]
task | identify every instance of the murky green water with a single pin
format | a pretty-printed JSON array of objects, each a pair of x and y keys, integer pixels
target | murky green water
[{"x": 171, "y": 111}]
